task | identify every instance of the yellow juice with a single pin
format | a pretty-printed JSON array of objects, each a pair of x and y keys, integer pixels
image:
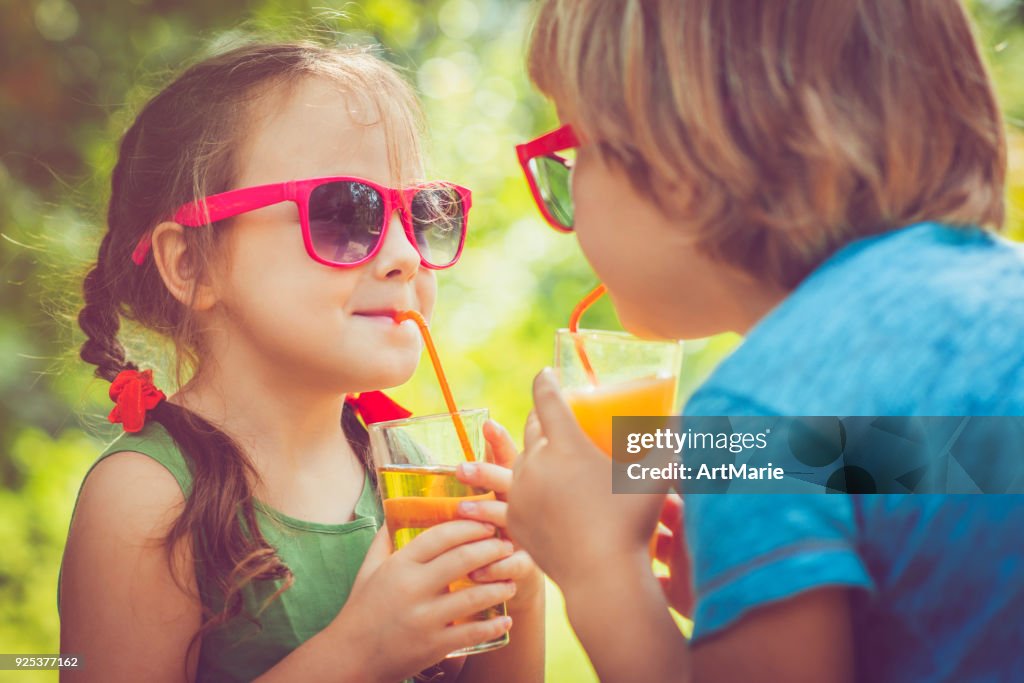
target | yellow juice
[
  {"x": 594, "y": 407},
  {"x": 416, "y": 497}
]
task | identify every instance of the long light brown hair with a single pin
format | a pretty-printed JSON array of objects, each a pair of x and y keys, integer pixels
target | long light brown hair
[
  {"x": 778, "y": 131},
  {"x": 181, "y": 147}
]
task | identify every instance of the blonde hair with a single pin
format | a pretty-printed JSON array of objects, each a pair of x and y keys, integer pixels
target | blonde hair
[{"x": 782, "y": 130}]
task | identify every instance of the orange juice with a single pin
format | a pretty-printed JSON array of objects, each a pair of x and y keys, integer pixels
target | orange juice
[{"x": 594, "y": 407}]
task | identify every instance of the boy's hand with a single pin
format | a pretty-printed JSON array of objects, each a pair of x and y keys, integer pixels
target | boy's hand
[
  {"x": 496, "y": 475},
  {"x": 561, "y": 506},
  {"x": 671, "y": 551}
]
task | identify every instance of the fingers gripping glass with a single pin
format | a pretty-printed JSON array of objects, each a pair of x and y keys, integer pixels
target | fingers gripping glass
[
  {"x": 344, "y": 219},
  {"x": 550, "y": 175}
]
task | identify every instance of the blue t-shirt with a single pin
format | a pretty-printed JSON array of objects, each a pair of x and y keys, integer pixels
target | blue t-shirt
[{"x": 927, "y": 320}]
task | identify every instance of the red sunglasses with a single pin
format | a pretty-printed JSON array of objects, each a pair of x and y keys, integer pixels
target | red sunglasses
[
  {"x": 345, "y": 219},
  {"x": 550, "y": 175}
]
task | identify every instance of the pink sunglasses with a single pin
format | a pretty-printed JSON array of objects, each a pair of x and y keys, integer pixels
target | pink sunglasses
[
  {"x": 550, "y": 175},
  {"x": 345, "y": 219}
]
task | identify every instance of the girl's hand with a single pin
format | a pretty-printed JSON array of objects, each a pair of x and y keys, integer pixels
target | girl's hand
[
  {"x": 496, "y": 475},
  {"x": 561, "y": 506},
  {"x": 671, "y": 551},
  {"x": 399, "y": 617}
]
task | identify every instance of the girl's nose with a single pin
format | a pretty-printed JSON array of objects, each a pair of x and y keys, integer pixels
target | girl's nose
[{"x": 397, "y": 257}]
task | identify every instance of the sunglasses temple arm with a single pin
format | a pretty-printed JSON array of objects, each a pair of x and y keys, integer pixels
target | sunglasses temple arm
[
  {"x": 227, "y": 204},
  {"x": 219, "y": 207}
]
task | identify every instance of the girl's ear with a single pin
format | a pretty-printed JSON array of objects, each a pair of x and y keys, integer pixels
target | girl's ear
[{"x": 179, "y": 270}]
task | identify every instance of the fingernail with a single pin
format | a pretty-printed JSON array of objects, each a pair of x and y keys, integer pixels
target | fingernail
[
  {"x": 508, "y": 547},
  {"x": 468, "y": 508},
  {"x": 468, "y": 468},
  {"x": 510, "y": 588},
  {"x": 506, "y": 622}
]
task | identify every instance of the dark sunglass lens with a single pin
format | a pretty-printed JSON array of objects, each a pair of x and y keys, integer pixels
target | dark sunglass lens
[
  {"x": 345, "y": 220},
  {"x": 438, "y": 222},
  {"x": 554, "y": 181}
]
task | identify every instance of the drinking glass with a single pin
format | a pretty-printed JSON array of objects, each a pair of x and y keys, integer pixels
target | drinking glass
[{"x": 415, "y": 460}]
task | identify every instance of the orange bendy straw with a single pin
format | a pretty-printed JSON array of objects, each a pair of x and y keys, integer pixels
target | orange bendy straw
[
  {"x": 460, "y": 429},
  {"x": 574, "y": 327}
]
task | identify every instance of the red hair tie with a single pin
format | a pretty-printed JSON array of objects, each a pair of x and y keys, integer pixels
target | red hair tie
[
  {"x": 374, "y": 406},
  {"x": 133, "y": 394}
]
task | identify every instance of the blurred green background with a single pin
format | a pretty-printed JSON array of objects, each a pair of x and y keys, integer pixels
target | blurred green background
[{"x": 72, "y": 73}]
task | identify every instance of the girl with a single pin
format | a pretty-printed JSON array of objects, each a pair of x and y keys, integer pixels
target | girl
[
  {"x": 227, "y": 536},
  {"x": 823, "y": 177}
]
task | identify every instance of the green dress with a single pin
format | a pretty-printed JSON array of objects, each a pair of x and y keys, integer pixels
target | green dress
[{"x": 324, "y": 560}]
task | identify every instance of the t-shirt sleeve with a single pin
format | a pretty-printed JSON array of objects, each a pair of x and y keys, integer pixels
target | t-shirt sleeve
[{"x": 752, "y": 550}]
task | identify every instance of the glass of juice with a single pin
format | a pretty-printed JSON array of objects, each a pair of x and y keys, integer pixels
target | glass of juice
[
  {"x": 416, "y": 460},
  {"x": 627, "y": 376}
]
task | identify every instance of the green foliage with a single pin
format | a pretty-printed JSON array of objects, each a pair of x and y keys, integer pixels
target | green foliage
[
  {"x": 34, "y": 516},
  {"x": 71, "y": 74}
]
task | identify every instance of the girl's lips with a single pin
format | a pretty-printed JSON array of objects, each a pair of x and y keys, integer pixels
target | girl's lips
[{"x": 384, "y": 313}]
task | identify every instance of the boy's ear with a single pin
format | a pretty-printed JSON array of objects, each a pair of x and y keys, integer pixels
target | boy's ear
[{"x": 178, "y": 268}]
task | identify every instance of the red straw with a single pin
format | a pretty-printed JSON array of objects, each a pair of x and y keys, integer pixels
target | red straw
[
  {"x": 460, "y": 428},
  {"x": 574, "y": 326}
]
